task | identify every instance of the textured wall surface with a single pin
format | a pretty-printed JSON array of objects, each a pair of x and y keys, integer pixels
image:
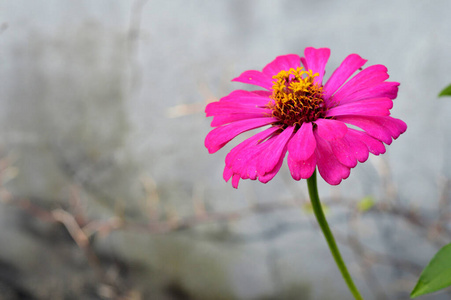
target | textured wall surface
[{"x": 102, "y": 102}]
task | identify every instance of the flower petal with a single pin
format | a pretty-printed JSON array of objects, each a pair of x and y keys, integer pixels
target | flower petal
[
  {"x": 304, "y": 63},
  {"x": 262, "y": 93},
  {"x": 242, "y": 158},
  {"x": 227, "y": 174},
  {"x": 248, "y": 143},
  {"x": 371, "y": 76},
  {"x": 241, "y": 96},
  {"x": 385, "y": 89},
  {"x": 270, "y": 175},
  {"x": 344, "y": 153},
  {"x": 256, "y": 78},
  {"x": 269, "y": 158},
  {"x": 381, "y": 128},
  {"x": 223, "y": 108},
  {"x": 226, "y": 119},
  {"x": 331, "y": 129},
  {"x": 316, "y": 60},
  {"x": 302, "y": 144},
  {"x": 351, "y": 148},
  {"x": 302, "y": 169},
  {"x": 370, "y": 107},
  {"x": 262, "y": 160},
  {"x": 235, "y": 180},
  {"x": 220, "y": 136},
  {"x": 351, "y": 64},
  {"x": 247, "y": 161},
  {"x": 246, "y": 164},
  {"x": 371, "y": 126},
  {"x": 329, "y": 167},
  {"x": 358, "y": 148},
  {"x": 395, "y": 126},
  {"x": 374, "y": 146},
  {"x": 283, "y": 62}
]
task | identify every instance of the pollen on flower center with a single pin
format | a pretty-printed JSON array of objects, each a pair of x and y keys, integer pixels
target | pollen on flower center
[{"x": 297, "y": 99}]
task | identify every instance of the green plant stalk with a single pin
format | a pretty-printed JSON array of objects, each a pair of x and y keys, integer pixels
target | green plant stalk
[{"x": 318, "y": 210}]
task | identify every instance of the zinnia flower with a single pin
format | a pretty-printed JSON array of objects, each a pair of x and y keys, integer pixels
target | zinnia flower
[{"x": 306, "y": 118}]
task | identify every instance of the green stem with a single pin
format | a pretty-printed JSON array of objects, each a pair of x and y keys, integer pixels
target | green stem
[{"x": 316, "y": 204}]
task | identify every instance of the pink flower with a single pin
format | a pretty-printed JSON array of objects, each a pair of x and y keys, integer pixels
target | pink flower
[{"x": 306, "y": 118}]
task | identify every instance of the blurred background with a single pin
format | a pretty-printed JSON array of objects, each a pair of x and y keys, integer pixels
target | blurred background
[{"x": 107, "y": 191}]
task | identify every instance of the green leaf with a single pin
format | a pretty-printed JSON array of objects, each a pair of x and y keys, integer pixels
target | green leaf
[
  {"x": 365, "y": 204},
  {"x": 446, "y": 91},
  {"x": 437, "y": 274}
]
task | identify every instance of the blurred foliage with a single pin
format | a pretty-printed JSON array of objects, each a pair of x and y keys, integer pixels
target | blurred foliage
[
  {"x": 365, "y": 204},
  {"x": 446, "y": 91}
]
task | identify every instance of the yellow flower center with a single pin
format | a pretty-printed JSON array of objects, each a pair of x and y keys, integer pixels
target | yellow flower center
[{"x": 297, "y": 99}]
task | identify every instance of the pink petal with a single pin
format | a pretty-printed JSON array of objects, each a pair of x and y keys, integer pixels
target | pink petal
[
  {"x": 248, "y": 143},
  {"x": 396, "y": 126},
  {"x": 351, "y": 64},
  {"x": 381, "y": 128},
  {"x": 270, "y": 175},
  {"x": 271, "y": 155},
  {"x": 331, "y": 129},
  {"x": 351, "y": 149},
  {"x": 385, "y": 89},
  {"x": 329, "y": 167},
  {"x": 256, "y": 78},
  {"x": 304, "y": 63},
  {"x": 262, "y": 93},
  {"x": 302, "y": 144},
  {"x": 316, "y": 60},
  {"x": 370, "y": 107},
  {"x": 227, "y": 174},
  {"x": 374, "y": 146},
  {"x": 358, "y": 147},
  {"x": 226, "y": 119},
  {"x": 343, "y": 151},
  {"x": 302, "y": 169},
  {"x": 373, "y": 127},
  {"x": 369, "y": 77},
  {"x": 246, "y": 163},
  {"x": 240, "y": 96},
  {"x": 244, "y": 157},
  {"x": 223, "y": 108},
  {"x": 235, "y": 180},
  {"x": 220, "y": 136},
  {"x": 283, "y": 62}
]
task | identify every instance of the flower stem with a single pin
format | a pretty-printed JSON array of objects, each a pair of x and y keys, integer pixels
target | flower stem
[{"x": 316, "y": 205}]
